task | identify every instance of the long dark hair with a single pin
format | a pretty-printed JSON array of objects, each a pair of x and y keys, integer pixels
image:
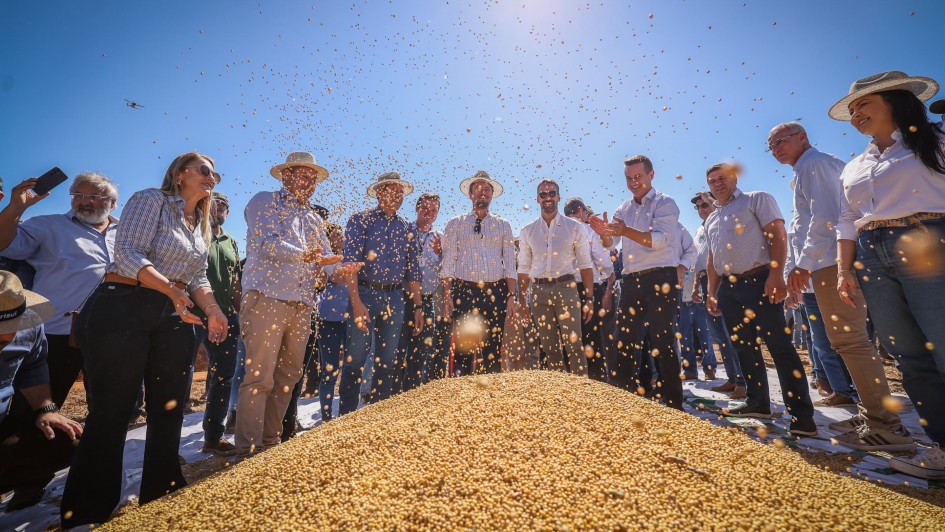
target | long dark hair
[{"x": 909, "y": 114}]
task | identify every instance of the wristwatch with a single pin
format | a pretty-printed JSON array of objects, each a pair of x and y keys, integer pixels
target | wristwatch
[{"x": 51, "y": 407}]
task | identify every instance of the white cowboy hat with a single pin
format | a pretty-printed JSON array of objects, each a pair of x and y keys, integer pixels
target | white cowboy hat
[
  {"x": 389, "y": 177},
  {"x": 481, "y": 175},
  {"x": 20, "y": 309},
  {"x": 923, "y": 88},
  {"x": 300, "y": 158}
]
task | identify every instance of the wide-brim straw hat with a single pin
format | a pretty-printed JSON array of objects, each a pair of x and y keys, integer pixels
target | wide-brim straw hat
[
  {"x": 21, "y": 309},
  {"x": 300, "y": 158},
  {"x": 923, "y": 88},
  {"x": 389, "y": 177},
  {"x": 481, "y": 175}
]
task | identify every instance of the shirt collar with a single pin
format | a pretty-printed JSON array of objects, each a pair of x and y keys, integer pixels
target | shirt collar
[
  {"x": 808, "y": 153},
  {"x": 112, "y": 221},
  {"x": 648, "y": 197},
  {"x": 735, "y": 196},
  {"x": 873, "y": 149}
]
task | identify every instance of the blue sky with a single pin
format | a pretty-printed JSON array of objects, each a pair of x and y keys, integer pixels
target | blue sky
[{"x": 436, "y": 91}]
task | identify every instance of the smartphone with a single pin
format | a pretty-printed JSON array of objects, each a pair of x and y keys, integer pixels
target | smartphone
[{"x": 49, "y": 181}]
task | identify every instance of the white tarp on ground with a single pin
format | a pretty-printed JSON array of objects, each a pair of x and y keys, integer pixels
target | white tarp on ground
[{"x": 874, "y": 466}]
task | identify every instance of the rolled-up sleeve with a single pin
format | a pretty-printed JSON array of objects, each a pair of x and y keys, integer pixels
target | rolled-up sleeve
[
  {"x": 582, "y": 249},
  {"x": 822, "y": 191},
  {"x": 508, "y": 252},
  {"x": 28, "y": 238},
  {"x": 846, "y": 228},
  {"x": 664, "y": 226},
  {"x": 34, "y": 370},
  {"x": 524, "y": 253},
  {"x": 135, "y": 236}
]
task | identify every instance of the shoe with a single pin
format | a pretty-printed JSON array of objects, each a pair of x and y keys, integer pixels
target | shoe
[
  {"x": 709, "y": 374},
  {"x": 725, "y": 387},
  {"x": 219, "y": 448},
  {"x": 866, "y": 438},
  {"x": 230, "y": 427},
  {"x": 690, "y": 377},
  {"x": 823, "y": 387},
  {"x": 747, "y": 410},
  {"x": 848, "y": 424},
  {"x": 803, "y": 427},
  {"x": 26, "y": 496},
  {"x": 928, "y": 463},
  {"x": 740, "y": 392},
  {"x": 835, "y": 399},
  {"x": 813, "y": 382}
]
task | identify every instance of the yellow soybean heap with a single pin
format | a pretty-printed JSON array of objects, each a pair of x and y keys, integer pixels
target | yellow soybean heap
[{"x": 528, "y": 450}]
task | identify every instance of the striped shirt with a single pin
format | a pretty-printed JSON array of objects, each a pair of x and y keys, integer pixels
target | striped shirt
[
  {"x": 152, "y": 233},
  {"x": 487, "y": 256},
  {"x": 736, "y": 232}
]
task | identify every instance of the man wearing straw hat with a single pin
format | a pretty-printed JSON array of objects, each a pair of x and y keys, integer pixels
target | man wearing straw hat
[
  {"x": 382, "y": 241},
  {"x": 31, "y": 448},
  {"x": 286, "y": 248},
  {"x": 479, "y": 272}
]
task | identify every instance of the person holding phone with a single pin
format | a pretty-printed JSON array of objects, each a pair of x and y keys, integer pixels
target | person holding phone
[{"x": 138, "y": 326}]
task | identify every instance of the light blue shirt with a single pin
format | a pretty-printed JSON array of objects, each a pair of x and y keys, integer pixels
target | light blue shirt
[
  {"x": 22, "y": 365},
  {"x": 702, "y": 250},
  {"x": 687, "y": 248},
  {"x": 428, "y": 259},
  {"x": 736, "y": 232},
  {"x": 817, "y": 193},
  {"x": 69, "y": 257},
  {"x": 657, "y": 214},
  {"x": 279, "y": 230}
]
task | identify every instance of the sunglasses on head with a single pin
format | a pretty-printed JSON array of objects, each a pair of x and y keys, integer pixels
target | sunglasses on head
[
  {"x": 549, "y": 194},
  {"x": 205, "y": 171}
]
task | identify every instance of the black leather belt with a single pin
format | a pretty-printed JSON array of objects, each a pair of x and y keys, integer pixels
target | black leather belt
[
  {"x": 752, "y": 272},
  {"x": 641, "y": 273},
  {"x": 480, "y": 284},
  {"x": 381, "y": 286},
  {"x": 562, "y": 279}
]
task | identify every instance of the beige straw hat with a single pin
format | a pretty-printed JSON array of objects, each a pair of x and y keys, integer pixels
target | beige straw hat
[
  {"x": 300, "y": 158},
  {"x": 481, "y": 175},
  {"x": 20, "y": 309},
  {"x": 389, "y": 177},
  {"x": 923, "y": 88}
]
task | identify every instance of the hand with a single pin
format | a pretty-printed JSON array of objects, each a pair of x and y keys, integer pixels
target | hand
[
  {"x": 680, "y": 275},
  {"x": 712, "y": 306},
  {"x": 348, "y": 269},
  {"x": 511, "y": 307},
  {"x": 418, "y": 321},
  {"x": 525, "y": 315},
  {"x": 607, "y": 303},
  {"x": 846, "y": 286},
  {"x": 696, "y": 295},
  {"x": 54, "y": 420},
  {"x": 361, "y": 316},
  {"x": 775, "y": 287},
  {"x": 448, "y": 308},
  {"x": 21, "y": 197},
  {"x": 314, "y": 255},
  {"x": 588, "y": 309},
  {"x": 799, "y": 280},
  {"x": 437, "y": 243},
  {"x": 604, "y": 228},
  {"x": 217, "y": 327},
  {"x": 183, "y": 304},
  {"x": 792, "y": 301}
]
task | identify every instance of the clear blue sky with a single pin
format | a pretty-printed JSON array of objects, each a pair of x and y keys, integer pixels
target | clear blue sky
[{"x": 522, "y": 89}]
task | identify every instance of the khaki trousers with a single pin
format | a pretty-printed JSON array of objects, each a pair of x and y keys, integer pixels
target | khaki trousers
[
  {"x": 519, "y": 345},
  {"x": 275, "y": 333},
  {"x": 556, "y": 313},
  {"x": 846, "y": 330}
]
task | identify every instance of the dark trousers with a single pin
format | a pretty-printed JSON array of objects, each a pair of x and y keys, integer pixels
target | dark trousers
[
  {"x": 745, "y": 299},
  {"x": 221, "y": 359},
  {"x": 647, "y": 312},
  {"x": 331, "y": 350},
  {"x": 64, "y": 365},
  {"x": 291, "y": 416},
  {"x": 437, "y": 366},
  {"x": 414, "y": 352},
  {"x": 594, "y": 333},
  {"x": 128, "y": 334},
  {"x": 27, "y": 458},
  {"x": 490, "y": 301}
]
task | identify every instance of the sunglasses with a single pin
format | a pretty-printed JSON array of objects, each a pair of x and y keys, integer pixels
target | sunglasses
[
  {"x": 701, "y": 206},
  {"x": 205, "y": 171},
  {"x": 549, "y": 194},
  {"x": 478, "y": 227}
]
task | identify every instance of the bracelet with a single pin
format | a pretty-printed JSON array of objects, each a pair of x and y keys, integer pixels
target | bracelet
[{"x": 51, "y": 407}]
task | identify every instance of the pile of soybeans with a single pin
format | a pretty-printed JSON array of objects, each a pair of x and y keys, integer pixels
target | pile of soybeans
[{"x": 530, "y": 450}]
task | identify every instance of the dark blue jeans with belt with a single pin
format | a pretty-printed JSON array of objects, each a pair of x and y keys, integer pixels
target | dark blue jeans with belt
[{"x": 128, "y": 334}]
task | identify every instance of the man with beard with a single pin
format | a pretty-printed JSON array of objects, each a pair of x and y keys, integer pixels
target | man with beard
[
  {"x": 478, "y": 271},
  {"x": 69, "y": 253}
]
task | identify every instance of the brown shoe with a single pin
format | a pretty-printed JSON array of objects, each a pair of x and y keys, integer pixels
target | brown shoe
[
  {"x": 823, "y": 387},
  {"x": 740, "y": 392},
  {"x": 710, "y": 374},
  {"x": 726, "y": 387},
  {"x": 835, "y": 400},
  {"x": 219, "y": 448}
]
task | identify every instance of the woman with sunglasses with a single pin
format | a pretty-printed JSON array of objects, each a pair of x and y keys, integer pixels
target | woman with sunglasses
[
  {"x": 890, "y": 241},
  {"x": 137, "y": 326}
]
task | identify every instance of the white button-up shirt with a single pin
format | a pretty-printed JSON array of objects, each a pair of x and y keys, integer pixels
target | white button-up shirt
[
  {"x": 702, "y": 250},
  {"x": 600, "y": 256},
  {"x": 551, "y": 250},
  {"x": 736, "y": 232},
  {"x": 657, "y": 214},
  {"x": 885, "y": 186},
  {"x": 817, "y": 193},
  {"x": 487, "y": 256}
]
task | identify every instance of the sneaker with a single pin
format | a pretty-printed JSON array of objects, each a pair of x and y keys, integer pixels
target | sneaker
[
  {"x": 219, "y": 448},
  {"x": 848, "y": 424},
  {"x": 866, "y": 438},
  {"x": 835, "y": 399},
  {"x": 726, "y": 387},
  {"x": 928, "y": 463},
  {"x": 709, "y": 374},
  {"x": 747, "y": 410},
  {"x": 740, "y": 392},
  {"x": 803, "y": 427},
  {"x": 230, "y": 427}
]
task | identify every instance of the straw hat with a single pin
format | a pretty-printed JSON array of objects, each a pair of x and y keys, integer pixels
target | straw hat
[
  {"x": 481, "y": 175},
  {"x": 389, "y": 177},
  {"x": 923, "y": 88},
  {"x": 300, "y": 158},
  {"x": 20, "y": 308}
]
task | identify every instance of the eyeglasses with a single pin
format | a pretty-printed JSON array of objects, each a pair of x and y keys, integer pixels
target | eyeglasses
[
  {"x": 478, "y": 228},
  {"x": 549, "y": 194},
  {"x": 701, "y": 206},
  {"x": 205, "y": 171},
  {"x": 773, "y": 145},
  {"x": 92, "y": 197}
]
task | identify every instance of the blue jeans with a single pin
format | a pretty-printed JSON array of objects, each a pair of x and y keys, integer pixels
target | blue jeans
[
  {"x": 830, "y": 361},
  {"x": 221, "y": 364},
  {"x": 331, "y": 348},
  {"x": 238, "y": 374},
  {"x": 386, "y": 313},
  {"x": 693, "y": 319},
  {"x": 907, "y": 302}
]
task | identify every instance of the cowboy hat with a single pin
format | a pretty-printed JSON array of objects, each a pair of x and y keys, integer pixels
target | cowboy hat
[
  {"x": 923, "y": 88},
  {"x": 20, "y": 309},
  {"x": 300, "y": 158},
  {"x": 481, "y": 175},
  {"x": 389, "y": 177}
]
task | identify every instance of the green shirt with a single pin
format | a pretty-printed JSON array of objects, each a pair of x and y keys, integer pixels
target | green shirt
[{"x": 222, "y": 265}]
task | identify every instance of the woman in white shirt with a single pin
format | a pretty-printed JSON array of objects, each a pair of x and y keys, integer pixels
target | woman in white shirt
[{"x": 891, "y": 240}]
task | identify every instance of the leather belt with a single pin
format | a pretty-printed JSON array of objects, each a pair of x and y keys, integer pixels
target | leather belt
[
  {"x": 644, "y": 272},
  {"x": 121, "y": 279},
  {"x": 563, "y": 279},
  {"x": 381, "y": 286},
  {"x": 908, "y": 221},
  {"x": 754, "y": 271},
  {"x": 480, "y": 284}
]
